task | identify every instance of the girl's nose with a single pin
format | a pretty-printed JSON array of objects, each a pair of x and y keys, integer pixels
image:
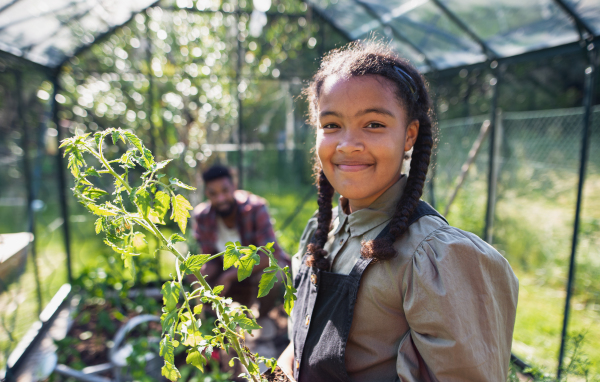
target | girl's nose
[{"x": 350, "y": 142}]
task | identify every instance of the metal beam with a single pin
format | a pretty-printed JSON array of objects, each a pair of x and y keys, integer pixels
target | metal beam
[
  {"x": 590, "y": 78},
  {"x": 579, "y": 22},
  {"x": 489, "y": 52},
  {"x": 395, "y": 32},
  {"x": 29, "y": 182},
  {"x": 492, "y": 165},
  {"x": 62, "y": 182}
]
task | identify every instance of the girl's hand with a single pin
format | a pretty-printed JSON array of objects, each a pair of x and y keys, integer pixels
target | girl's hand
[{"x": 286, "y": 361}]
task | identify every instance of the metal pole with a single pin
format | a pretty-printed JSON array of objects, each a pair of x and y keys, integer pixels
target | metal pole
[
  {"x": 590, "y": 77},
  {"x": 238, "y": 78},
  {"x": 29, "y": 182},
  {"x": 492, "y": 180},
  {"x": 62, "y": 184},
  {"x": 150, "y": 95}
]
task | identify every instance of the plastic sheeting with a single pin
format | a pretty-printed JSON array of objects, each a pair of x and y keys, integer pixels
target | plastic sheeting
[
  {"x": 433, "y": 34},
  {"x": 442, "y": 34},
  {"x": 49, "y": 31}
]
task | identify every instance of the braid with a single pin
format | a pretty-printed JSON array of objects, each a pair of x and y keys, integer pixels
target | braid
[
  {"x": 316, "y": 253},
  {"x": 375, "y": 58}
]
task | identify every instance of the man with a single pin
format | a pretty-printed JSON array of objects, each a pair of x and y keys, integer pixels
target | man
[{"x": 234, "y": 215}]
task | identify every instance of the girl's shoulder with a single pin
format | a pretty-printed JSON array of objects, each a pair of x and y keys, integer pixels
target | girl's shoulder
[{"x": 432, "y": 243}]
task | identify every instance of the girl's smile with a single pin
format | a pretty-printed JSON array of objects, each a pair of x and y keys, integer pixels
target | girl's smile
[{"x": 362, "y": 136}]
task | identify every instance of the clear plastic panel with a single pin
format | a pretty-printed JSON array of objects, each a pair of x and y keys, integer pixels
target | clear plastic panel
[
  {"x": 430, "y": 30},
  {"x": 348, "y": 16},
  {"x": 47, "y": 32},
  {"x": 588, "y": 11},
  {"x": 511, "y": 27}
]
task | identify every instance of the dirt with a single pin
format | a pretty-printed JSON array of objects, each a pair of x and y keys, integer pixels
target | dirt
[{"x": 276, "y": 376}]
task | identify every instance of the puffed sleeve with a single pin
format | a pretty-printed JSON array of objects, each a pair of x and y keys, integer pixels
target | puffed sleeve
[{"x": 460, "y": 301}]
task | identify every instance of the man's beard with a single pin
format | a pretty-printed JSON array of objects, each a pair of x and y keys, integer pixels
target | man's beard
[{"x": 225, "y": 210}]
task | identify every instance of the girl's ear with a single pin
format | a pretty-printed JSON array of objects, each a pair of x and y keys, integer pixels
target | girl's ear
[{"x": 412, "y": 131}]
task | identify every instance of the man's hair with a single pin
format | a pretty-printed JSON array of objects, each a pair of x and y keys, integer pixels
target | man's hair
[{"x": 216, "y": 172}]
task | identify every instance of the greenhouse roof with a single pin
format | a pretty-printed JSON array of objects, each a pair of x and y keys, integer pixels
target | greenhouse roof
[
  {"x": 433, "y": 34},
  {"x": 442, "y": 34}
]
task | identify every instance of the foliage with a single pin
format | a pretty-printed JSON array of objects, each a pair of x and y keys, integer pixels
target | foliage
[{"x": 151, "y": 201}]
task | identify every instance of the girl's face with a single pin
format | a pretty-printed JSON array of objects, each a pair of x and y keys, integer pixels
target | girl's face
[{"x": 362, "y": 135}]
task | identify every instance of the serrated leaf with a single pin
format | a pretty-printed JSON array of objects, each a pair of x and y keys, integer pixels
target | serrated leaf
[
  {"x": 198, "y": 309},
  {"x": 91, "y": 171},
  {"x": 142, "y": 199},
  {"x": 246, "y": 323},
  {"x": 194, "y": 263},
  {"x": 267, "y": 281},
  {"x": 170, "y": 292},
  {"x": 97, "y": 138},
  {"x": 289, "y": 299},
  {"x": 218, "y": 289},
  {"x": 178, "y": 183},
  {"x": 98, "y": 225},
  {"x": 180, "y": 213},
  {"x": 170, "y": 372},
  {"x": 176, "y": 238},
  {"x": 230, "y": 258},
  {"x": 94, "y": 193},
  {"x": 134, "y": 140},
  {"x": 193, "y": 339},
  {"x": 196, "y": 358},
  {"x": 160, "y": 165},
  {"x": 116, "y": 135},
  {"x": 161, "y": 203},
  {"x": 167, "y": 349},
  {"x": 100, "y": 211}
]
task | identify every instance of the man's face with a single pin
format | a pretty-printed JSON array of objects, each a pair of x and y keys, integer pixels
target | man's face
[{"x": 220, "y": 193}]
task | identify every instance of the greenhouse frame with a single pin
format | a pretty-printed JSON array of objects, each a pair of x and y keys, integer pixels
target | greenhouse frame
[{"x": 440, "y": 37}]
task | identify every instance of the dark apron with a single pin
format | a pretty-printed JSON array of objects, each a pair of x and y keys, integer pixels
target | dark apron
[{"x": 323, "y": 315}]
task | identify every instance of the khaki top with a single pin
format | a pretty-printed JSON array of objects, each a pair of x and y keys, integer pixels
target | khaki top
[{"x": 442, "y": 309}]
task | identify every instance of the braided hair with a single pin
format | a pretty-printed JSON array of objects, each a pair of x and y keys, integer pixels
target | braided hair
[{"x": 374, "y": 58}]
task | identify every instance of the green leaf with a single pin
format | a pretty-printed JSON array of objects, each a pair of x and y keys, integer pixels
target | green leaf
[
  {"x": 267, "y": 281},
  {"x": 98, "y": 225},
  {"x": 167, "y": 349},
  {"x": 116, "y": 135},
  {"x": 94, "y": 193},
  {"x": 289, "y": 298},
  {"x": 180, "y": 212},
  {"x": 170, "y": 292},
  {"x": 177, "y": 182},
  {"x": 196, "y": 358},
  {"x": 198, "y": 309},
  {"x": 142, "y": 199},
  {"x": 193, "y": 339},
  {"x": 246, "y": 323},
  {"x": 194, "y": 263},
  {"x": 230, "y": 258},
  {"x": 100, "y": 211},
  {"x": 170, "y": 372},
  {"x": 218, "y": 289},
  {"x": 176, "y": 238},
  {"x": 91, "y": 172},
  {"x": 133, "y": 139},
  {"x": 161, "y": 203}
]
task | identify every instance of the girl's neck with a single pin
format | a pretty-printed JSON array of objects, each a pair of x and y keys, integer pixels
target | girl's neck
[{"x": 359, "y": 204}]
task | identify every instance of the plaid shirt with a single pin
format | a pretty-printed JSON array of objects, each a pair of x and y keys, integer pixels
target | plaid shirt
[{"x": 253, "y": 224}]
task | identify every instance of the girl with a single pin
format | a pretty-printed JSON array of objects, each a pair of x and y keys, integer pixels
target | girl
[{"x": 387, "y": 290}]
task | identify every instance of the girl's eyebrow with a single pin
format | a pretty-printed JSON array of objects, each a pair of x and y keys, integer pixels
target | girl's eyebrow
[
  {"x": 377, "y": 110},
  {"x": 360, "y": 113}
]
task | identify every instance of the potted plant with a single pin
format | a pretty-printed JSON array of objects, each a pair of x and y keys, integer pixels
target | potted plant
[{"x": 144, "y": 202}]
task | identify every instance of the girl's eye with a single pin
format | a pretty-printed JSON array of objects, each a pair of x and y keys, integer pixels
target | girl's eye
[
  {"x": 330, "y": 126},
  {"x": 374, "y": 125}
]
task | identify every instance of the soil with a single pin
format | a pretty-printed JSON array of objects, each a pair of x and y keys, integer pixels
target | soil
[{"x": 276, "y": 376}]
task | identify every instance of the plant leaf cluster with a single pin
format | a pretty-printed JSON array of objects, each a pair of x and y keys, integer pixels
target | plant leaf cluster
[{"x": 145, "y": 205}]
